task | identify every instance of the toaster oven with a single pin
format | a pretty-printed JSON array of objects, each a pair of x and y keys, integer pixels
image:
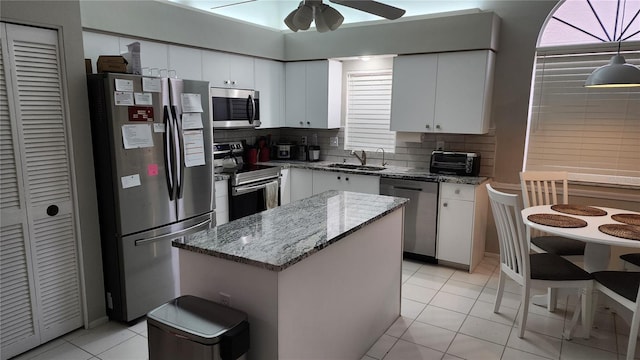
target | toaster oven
[{"x": 455, "y": 163}]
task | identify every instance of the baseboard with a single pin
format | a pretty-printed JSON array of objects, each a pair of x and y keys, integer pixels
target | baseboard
[{"x": 98, "y": 322}]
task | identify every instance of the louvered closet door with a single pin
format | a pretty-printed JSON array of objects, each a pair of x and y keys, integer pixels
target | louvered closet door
[
  {"x": 34, "y": 74},
  {"x": 18, "y": 331}
]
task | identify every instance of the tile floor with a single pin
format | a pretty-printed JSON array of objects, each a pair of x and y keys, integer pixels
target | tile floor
[{"x": 446, "y": 314}]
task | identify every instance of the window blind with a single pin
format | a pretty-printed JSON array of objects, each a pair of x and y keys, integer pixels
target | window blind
[
  {"x": 369, "y": 111},
  {"x": 594, "y": 134}
]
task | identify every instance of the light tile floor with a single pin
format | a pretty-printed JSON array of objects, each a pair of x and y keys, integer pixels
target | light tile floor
[{"x": 446, "y": 314}]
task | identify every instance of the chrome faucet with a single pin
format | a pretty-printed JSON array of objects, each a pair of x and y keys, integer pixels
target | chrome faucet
[
  {"x": 383, "y": 162},
  {"x": 363, "y": 158}
]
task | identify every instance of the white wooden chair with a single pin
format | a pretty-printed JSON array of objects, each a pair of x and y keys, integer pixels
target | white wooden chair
[
  {"x": 621, "y": 287},
  {"x": 542, "y": 270},
  {"x": 542, "y": 188}
]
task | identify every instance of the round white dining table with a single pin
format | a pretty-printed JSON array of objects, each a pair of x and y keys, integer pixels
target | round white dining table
[{"x": 597, "y": 244}]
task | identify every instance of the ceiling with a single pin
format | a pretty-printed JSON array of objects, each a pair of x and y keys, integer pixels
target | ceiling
[{"x": 271, "y": 13}]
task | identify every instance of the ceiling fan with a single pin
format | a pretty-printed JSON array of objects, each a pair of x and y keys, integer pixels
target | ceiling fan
[{"x": 328, "y": 18}]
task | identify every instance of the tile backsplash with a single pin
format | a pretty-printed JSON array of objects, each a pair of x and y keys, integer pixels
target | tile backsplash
[{"x": 407, "y": 154}]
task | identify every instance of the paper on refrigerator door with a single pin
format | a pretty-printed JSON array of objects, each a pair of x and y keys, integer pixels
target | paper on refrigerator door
[
  {"x": 190, "y": 103},
  {"x": 192, "y": 121},
  {"x": 193, "y": 148},
  {"x": 137, "y": 136},
  {"x": 151, "y": 84}
]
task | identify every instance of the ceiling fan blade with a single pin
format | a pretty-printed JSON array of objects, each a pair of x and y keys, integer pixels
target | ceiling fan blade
[{"x": 372, "y": 7}]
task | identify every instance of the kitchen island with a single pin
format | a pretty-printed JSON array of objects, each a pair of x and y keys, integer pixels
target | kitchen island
[{"x": 320, "y": 278}]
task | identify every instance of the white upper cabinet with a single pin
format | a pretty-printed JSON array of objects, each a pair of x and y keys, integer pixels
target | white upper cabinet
[
  {"x": 313, "y": 94},
  {"x": 269, "y": 81},
  {"x": 228, "y": 70},
  {"x": 413, "y": 92},
  {"x": 185, "y": 61},
  {"x": 445, "y": 93}
]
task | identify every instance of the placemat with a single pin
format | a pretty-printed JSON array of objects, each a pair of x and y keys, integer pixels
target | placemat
[
  {"x": 631, "y": 232},
  {"x": 631, "y": 219},
  {"x": 555, "y": 220},
  {"x": 581, "y": 210}
]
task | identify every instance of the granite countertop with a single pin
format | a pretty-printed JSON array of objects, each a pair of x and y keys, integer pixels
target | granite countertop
[
  {"x": 394, "y": 172},
  {"x": 278, "y": 238}
]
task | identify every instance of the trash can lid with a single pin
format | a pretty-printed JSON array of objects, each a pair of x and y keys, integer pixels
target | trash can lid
[{"x": 198, "y": 319}]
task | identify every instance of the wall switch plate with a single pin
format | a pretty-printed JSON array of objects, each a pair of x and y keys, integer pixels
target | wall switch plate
[
  {"x": 225, "y": 299},
  {"x": 333, "y": 141},
  {"x": 440, "y": 145},
  {"x": 303, "y": 140}
]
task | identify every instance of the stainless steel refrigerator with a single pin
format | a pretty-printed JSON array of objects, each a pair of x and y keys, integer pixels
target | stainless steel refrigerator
[{"x": 152, "y": 140}]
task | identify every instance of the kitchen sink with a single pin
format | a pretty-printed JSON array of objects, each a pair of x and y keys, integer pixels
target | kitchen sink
[{"x": 356, "y": 167}]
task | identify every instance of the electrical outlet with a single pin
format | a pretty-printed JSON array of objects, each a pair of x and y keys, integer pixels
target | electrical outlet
[
  {"x": 303, "y": 140},
  {"x": 225, "y": 299},
  {"x": 440, "y": 145},
  {"x": 333, "y": 141}
]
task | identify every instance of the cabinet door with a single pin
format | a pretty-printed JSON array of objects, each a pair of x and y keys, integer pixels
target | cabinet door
[
  {"x": 301, "y": 183},
  {"x": 455, "y": 229},
  {"x": 368, "y": 184},
  {"x": 285, "y": 186},
  {"x": 414, "y": 93},
  {"x": 269, "y": 81},
  {"x": 317, "y": 91},
  {"x": 222, "y": 202},
  {"x": 463, "y": 95},
  {"x": 187, "y": 62},
  {"x": 295, "y": 90},
  {"x": 328, "y": 180},
  {"x": 241, "y": 71},
  {"x": 215, "y": 69}
]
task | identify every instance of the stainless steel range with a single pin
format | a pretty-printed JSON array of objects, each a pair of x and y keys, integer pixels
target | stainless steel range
[{"x": 251, "y": 186}]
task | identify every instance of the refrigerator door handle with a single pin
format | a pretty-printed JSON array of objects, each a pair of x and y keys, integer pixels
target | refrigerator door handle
[
  {"x": 180, "y": 147},
  {"x": 168, "y": 152},
  {"x": 173, "y": 235},
  {"x": 251, "y": 109}
]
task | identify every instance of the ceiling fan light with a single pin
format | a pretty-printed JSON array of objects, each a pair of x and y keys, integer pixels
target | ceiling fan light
[
  {"x": 289, "y": 21},
  {"x": 303, "y": 17},
  {"x": 332, "y": 17},
  {"x": 617, "y": 73},
  {"x": 321, "y": 23}
]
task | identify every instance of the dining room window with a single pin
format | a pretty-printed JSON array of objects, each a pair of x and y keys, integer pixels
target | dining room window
[
  {"x": 594, "y": 134},
  {"x": 368, "y": 111}
]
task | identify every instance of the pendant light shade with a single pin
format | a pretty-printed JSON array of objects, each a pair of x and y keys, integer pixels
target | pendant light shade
[{"x": 615, "y": 74}]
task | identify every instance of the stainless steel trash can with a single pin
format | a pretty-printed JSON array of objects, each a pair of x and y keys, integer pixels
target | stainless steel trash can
[{"x": 192, "y": 328}]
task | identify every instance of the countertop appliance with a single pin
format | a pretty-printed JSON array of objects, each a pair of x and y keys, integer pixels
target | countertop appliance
[
  {"x": 455, "y": 163},
  {"x": 284, "y": 151},
  {"x": 250, "y": 185},
  {"x": 314, "y": 153},
  {"x": 152, "y": 151},
  {"x": 420, "y": 217},
  {"x": 235, "y": 108}
]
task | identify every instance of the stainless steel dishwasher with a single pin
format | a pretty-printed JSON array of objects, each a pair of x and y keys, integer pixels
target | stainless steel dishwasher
[{"x": 420, "y": 217}]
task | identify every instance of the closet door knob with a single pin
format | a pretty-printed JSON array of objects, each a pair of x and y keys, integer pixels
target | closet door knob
[{"x": 52, "y": 210}]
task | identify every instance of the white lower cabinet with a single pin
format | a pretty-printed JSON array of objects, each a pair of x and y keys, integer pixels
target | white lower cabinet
[
  {"x": 462, "y": 221},
  {"x": 285, "y": 186},
  {"x": 331, "y": 180},
  {"x": 222, "y": 202},
  {"x": 301, "y": 183}
]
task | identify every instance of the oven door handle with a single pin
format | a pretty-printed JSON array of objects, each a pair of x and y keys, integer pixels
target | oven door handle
[{"x": 239, "y": 190}]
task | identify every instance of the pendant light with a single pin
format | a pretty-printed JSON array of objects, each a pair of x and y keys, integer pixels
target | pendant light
[{"x": 617, "y": 73}]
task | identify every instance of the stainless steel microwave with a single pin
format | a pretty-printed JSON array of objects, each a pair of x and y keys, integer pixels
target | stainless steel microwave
[{"x": 234, "y": 108}]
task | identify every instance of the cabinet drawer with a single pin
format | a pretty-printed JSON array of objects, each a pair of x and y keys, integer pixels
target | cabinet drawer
[{"x": 457, "y": 191}]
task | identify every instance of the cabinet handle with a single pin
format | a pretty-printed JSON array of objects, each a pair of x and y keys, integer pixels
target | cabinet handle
[
  {"x": 301, "y": 123},
  {"x": 226, "y": 81},
  {"x": 308, "y": 123},
  {"x": 346, "y": 179},
  {"x": 233, "y": 82},
  {"x": 338, "y": 177},
  {"x": 445, "y": 204},
  {"x": 52, "y": 210},
  {"x": 427, "y": 126},
  {"x": 457, "y": 191},
  {"x": 437, "y": 126}
]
